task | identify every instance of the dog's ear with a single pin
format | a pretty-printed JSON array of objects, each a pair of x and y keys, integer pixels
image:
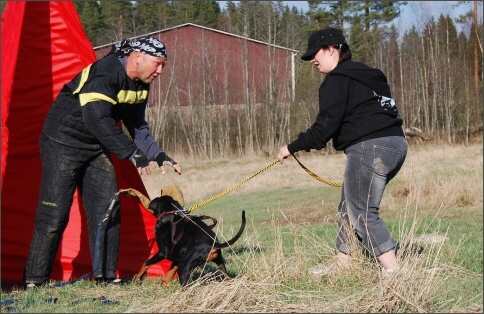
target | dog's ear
[
  {"x": 156, "y": 206},
  {"x": 175, "y": 192}
]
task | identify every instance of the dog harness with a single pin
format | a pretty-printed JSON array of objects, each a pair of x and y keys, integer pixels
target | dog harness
[{"x": 174, "y": 224}]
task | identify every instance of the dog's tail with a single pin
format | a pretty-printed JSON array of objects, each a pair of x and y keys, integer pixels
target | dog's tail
[{"x": 235, "y": 238}]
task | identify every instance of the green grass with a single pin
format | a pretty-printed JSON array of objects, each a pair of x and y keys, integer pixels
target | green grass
[
  {"x": 258, "y": 204},
  {"x": 463, "y": 226},
  {"x": 272, "y": 238},
  {"x": 291, "y": 229}
]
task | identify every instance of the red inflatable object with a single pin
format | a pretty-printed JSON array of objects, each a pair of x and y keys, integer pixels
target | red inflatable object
[{"x": 43, "y": 47}]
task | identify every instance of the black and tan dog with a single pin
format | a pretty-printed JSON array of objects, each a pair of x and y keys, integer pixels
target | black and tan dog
[{"x": 184, "y": 239}]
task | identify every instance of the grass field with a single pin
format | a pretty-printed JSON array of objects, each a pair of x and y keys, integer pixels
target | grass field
[{"x": 434, "y": 203}]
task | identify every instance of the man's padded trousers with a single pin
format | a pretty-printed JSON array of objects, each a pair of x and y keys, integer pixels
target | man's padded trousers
[{"x": 65, "y": 168}]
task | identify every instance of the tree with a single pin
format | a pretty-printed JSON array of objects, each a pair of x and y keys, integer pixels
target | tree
[
  {"x": 92, "y": 19},
  {"x": 364, "y": 18},
  {"x": 229, "y": 20},
  {"x": 204, "y": 13},
  {"x": 445, "y": 83},
  {"x": 373, "y": 15},
  {"x": 320, "y": 17},
  {"x": 477, "y": 50},
  {"x": 376, "y": 13},
  {"x": 414, "y": 98},
  {"x": 118, "y": 19},
  {"x": 153, "y": 15},
  {"x": 475, "y": 35},
  {"x": 435, "y": 72}
]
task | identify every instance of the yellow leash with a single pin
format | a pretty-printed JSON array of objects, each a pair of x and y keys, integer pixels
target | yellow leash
[
  {"x": 316, "y": 176},
  {"x": 193, "y": 207},
  {"x": 145, "y": 201}
]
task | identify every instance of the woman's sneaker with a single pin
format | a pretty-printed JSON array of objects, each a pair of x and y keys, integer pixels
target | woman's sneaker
[
  {"x": 318, "y": 271},
  {"x": 387, "y": 273}
]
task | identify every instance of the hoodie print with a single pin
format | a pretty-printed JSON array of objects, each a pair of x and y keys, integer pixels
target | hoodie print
[{"x": 386, "y": 102}]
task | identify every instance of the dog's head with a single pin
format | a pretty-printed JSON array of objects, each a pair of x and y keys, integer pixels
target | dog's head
[
  {"x": 171, "y": 199},
  {"x": 163, "y": 204}
]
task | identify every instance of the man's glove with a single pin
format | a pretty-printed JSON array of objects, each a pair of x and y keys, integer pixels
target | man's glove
[
  {"x": 140, "y": 160},
  {"x": 162, "y": 157}
]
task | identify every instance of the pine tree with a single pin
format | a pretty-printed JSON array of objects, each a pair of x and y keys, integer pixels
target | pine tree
[
  {"x": 149, "y": 15},
  {"x": 119, "y": 20},
  {"x": 92, "y": 19}
]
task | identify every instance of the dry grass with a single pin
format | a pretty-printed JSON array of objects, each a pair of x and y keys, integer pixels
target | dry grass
[
  {"x": 271, "y": 260},
  {"x": 201, "y": 180},
  {"x": 433, "y": 180},
  {"x": 277, "y": 282},
  {"x": 440, "y": 176},
  {"x": 433, "y": 177}
]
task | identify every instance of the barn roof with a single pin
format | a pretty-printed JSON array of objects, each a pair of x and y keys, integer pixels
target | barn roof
[{"x": 203, "y": 27}]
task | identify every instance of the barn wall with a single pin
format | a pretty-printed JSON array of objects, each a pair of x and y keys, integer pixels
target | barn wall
[
  {"x": 219, "y": 94},
  {"x": 212, "y": 68}
]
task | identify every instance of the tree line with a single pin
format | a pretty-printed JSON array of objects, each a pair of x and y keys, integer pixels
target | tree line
[{"x": 435, "y": 70}]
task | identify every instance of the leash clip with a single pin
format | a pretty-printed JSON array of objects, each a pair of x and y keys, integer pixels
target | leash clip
[{"x": 183, "y": 211}]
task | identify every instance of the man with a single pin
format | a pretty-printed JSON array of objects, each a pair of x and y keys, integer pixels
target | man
[{"x": 79, "y": 135}]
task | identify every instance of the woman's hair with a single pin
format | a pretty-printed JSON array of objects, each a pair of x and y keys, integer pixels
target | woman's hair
[{"x": 345, "y": 51}]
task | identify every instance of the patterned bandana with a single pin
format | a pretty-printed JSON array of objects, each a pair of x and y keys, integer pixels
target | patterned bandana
[{"x": 148, "y": 45}]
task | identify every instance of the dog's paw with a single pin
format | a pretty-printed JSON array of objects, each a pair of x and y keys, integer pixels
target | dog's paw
[{"x": 137, "y": 281}]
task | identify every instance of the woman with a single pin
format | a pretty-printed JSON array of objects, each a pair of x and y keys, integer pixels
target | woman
[{"x": 357, "y": 112}]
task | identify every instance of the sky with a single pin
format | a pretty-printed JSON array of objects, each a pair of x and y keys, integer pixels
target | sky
[{"x": 414, "y": 13}]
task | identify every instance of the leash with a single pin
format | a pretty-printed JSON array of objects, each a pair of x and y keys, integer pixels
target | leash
[
  {"x": 7, "y": 305},
  {"x": 316, "y": 176},
  {"x": 102, "y": 223},
  {"x": 193, "y": 207},
  {"x": 145, "y": 201}
]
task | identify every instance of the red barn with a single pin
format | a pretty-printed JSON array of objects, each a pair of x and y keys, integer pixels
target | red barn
[
  {"x": 219, "y": 93},
  {"x": 212, "y": 67}
]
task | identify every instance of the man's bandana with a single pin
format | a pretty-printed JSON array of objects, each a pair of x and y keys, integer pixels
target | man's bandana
[{"x": 148, "y": 45}]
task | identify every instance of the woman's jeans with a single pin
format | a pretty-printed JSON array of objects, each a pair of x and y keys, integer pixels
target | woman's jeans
[{"x": 370, "y": 165}]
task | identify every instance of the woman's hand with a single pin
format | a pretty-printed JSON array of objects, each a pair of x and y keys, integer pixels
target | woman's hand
[{"x": 283, "y": 153}]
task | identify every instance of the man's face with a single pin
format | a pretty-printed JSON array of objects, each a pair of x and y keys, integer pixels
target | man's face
[{"x": 149, "y": 67}]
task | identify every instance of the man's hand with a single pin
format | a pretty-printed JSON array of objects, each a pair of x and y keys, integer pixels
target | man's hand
[
  {"x": 141, "y": 162},
  {"x": 162, "y": 159}
]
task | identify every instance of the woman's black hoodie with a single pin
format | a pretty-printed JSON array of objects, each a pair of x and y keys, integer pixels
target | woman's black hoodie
[{"x": 355, "y": 104}]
